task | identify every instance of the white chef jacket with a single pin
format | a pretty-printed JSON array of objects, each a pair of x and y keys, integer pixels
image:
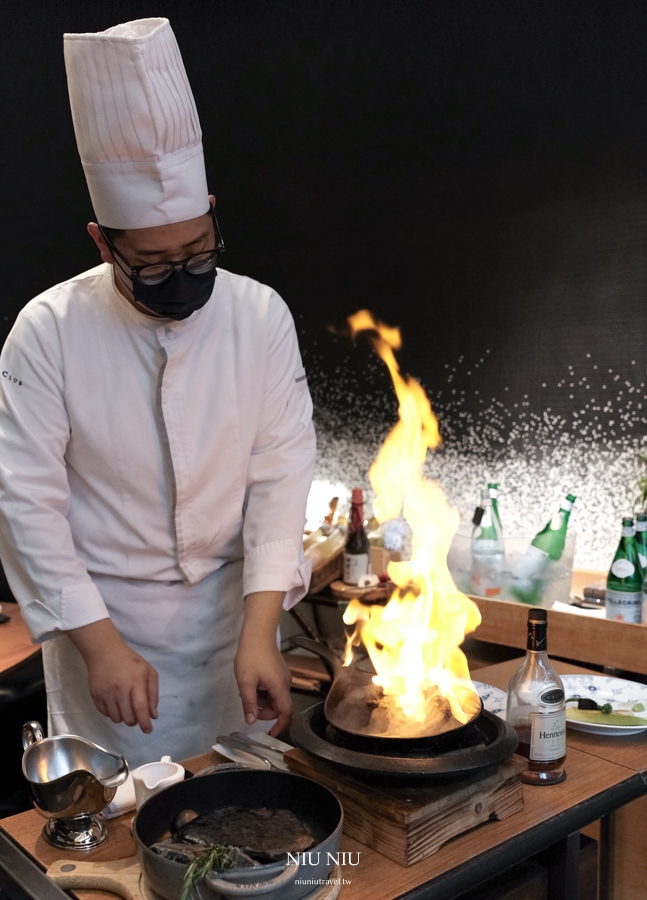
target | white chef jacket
[{"x": 155, "y": 450}]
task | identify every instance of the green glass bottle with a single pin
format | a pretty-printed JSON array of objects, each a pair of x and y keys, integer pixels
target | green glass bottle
[
  {"x": 493, "y": 489},
  {"x": 641, "y": 540},
  {"x": 528, "y": 580},
  {"x": 624, "y": 594},
  {"x": 487, "y": 551}
]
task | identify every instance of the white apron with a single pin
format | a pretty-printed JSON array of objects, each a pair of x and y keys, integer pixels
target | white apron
[{"x": 189, "y": 633}]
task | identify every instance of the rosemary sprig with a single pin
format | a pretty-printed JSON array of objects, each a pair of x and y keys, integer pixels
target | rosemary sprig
[{"x": 214, "y": 856}]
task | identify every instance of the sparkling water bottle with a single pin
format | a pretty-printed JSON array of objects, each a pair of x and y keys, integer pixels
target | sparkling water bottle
[{"x": 528, "y": 579}]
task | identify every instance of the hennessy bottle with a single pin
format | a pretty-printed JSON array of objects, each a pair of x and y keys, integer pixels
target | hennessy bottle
[{"x": 536, "y": 708}]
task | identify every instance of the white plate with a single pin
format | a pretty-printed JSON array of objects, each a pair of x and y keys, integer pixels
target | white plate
[
  {"x": 494, "y": 699},
  {"x": 275, "y": 747},
  {"x": 621, "y": 694}
]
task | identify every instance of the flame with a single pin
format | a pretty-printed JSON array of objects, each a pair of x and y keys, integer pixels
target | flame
[{"x": 414, "y": 641}]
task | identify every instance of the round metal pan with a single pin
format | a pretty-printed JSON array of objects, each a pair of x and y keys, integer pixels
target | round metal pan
[
  {"x": 316, "y": 806},
  {"x": 486, "y": 741},
  {"x": 351, "y": 678}
]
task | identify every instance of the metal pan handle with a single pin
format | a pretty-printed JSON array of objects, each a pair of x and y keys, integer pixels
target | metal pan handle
[
  {"x": 332, "y": 660},
  {"x": 232, "y": 889}
]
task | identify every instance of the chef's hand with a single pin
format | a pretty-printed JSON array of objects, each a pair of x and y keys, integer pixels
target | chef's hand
[
  {"x": 263, "y": 677},
  {"x": 122, "y": 684}
]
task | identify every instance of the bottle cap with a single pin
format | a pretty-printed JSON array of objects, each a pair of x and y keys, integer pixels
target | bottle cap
[
  {"x": 627, "y": 521},
  {"x": 358, "y": 496},
  {"x": 537, "y": 615}
]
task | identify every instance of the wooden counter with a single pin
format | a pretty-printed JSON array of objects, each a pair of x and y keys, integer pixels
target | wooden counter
[{"x": 599, "y": 780}]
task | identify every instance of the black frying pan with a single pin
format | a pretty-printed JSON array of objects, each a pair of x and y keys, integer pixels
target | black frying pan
[{"x": 351, "y": 678}]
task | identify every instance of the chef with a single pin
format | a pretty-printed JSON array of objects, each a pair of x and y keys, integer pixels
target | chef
[{"x": 156, "y": 441}]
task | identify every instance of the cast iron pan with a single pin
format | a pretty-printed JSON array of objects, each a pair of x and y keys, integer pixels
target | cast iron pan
[
  {"x": 347, "y": 678},
  {"x": 485, "y": 741},
  {"x": 316, "y": 806}
]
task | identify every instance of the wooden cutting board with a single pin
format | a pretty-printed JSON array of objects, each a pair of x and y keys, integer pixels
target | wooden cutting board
[
  {"x": 124, "y": 878},
  {"x": 408, "y": 824}
]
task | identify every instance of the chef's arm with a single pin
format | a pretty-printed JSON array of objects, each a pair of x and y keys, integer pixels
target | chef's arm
[
  {"x": 262, "y": 675},
  {"x": 122, "y": 684},
  {"x": 280, "y": 469},
  {"x": 47, "y": 578}
]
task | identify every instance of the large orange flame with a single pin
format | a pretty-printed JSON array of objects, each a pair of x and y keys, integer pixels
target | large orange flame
[{"x": 414, "y": 641}]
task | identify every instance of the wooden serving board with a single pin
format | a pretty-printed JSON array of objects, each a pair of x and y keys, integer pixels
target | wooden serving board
[
  {"x": 409, "y": 824},
  {"x": 123, "y": 877}
]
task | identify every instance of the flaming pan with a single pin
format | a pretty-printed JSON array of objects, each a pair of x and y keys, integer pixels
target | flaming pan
[
  {"x": 348, "y": 709},
  {"x": 485, "y": 741}
]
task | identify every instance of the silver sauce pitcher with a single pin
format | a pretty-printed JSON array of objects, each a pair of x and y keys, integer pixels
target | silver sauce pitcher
[{"x": 70, "y": 780}]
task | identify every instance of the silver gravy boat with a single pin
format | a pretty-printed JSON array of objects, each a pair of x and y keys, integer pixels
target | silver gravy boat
[{"x": 70, "y": 780}]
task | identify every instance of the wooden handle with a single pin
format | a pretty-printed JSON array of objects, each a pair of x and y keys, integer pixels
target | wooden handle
[{"x": 121, "y": 876}]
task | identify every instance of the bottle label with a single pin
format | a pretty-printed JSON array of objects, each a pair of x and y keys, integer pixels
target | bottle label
[
  {"x": 626, "y": 606},
  {"x": 551, "y": 697},
  {"x": 641, "y": 526},
  {"x": 622, "y": 568},
  {"x": 532, "y": 564},
  {"x": 643, "y": 560},
  {"x": 355, "y": 565},
  {"x": 547, "y": 735}
]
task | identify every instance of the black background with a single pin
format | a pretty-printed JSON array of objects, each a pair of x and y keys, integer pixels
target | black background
[{"x": 472, "y": 171}]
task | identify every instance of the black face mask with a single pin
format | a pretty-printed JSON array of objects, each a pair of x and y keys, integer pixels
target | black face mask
[{"x": 178, "y": 296}]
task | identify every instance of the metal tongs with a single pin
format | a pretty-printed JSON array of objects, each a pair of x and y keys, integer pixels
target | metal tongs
[{"x": 239, "y": 741}]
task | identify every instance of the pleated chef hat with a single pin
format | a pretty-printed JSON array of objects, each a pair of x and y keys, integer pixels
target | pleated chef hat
[{"x": 136, "y": 125}]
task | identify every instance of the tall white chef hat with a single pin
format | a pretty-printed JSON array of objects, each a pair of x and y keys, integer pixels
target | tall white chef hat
[{"x": 136, "y": 125}]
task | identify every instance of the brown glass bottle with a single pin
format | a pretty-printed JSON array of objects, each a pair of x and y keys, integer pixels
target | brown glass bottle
[
  {"x": 536, "y": 708},
  {"x": 357, "y": 552}
]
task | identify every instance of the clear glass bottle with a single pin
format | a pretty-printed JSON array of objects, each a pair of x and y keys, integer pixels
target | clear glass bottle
[
  {"x": 487, "y": 550},
  {"x": 528, "y": 580},
  {"x": 624, "y": 593},
  {"x": 357, "y": 552},
  {"x": 536, "y": 708}
]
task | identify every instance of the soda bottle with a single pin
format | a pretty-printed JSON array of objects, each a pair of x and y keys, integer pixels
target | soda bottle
[
  {"x": 624, "y": 593},
  {"x": 528, "y": 577},
  {"x": 493, "y": 489}
]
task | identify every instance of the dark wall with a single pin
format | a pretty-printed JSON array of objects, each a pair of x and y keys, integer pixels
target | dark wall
[{"x": 472, "y": 171}]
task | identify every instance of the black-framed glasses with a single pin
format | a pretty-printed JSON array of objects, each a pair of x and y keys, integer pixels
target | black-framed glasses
[{"x": 157, "y": 273}]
